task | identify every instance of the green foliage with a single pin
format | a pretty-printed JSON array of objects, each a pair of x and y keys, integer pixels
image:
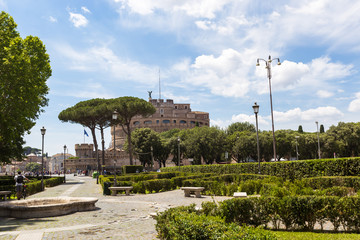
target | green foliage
[
  {"x": 25, "y": 68},
  {"x": 131, "y": 169},
  {"x": 33, "y": 167},
  {"x": 240, "y": 127},
  {"x": 290, "y": 170},
  {"x": 187, "y": 223},
  {"x": 295, "y": 212}
]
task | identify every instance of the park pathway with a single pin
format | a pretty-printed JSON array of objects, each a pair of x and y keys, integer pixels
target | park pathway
[{"x": 116, "y": 217}]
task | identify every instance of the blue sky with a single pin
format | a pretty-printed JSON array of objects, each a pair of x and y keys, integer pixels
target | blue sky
[{"x": 206, "y": 51}]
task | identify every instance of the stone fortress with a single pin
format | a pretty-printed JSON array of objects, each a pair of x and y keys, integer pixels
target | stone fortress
[{"x": 168, "y": 115}]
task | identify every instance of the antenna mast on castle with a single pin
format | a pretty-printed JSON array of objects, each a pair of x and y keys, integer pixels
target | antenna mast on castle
[{"x": 159, "y": 86}]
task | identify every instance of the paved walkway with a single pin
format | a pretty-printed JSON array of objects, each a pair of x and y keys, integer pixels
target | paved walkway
[{"x": 116, "y": 217}]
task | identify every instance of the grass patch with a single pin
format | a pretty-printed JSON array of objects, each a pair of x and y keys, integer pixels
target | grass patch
[{"x": 317, "y": 236}]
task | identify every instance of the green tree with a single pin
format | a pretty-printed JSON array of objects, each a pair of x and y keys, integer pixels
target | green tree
[
  {"x": 128, "y": 108},
  {"x": 33, "y": 167},
  {"x": 207, "y": 143},
  {"x": 322, "y": 129},
  {"x": 24, "y": 70},
  {"x": 244, "y": 146},
  {"x": 83, "y": 113},
  {"x": 300, "y": 129},
  {"x": 240, "y": 127},
  {"x": 28, "y": 150}
]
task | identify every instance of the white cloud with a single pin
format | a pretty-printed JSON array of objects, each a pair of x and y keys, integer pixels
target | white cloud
[
  {"x": 323, "y": 113},
  {"x": 104, "y": 60},
  {"x": 85, "y": 10},
  {"x": 291, "y": 75},
  {"x": 324, "y": 94},
  {"x": 52, "y": 19},
  {"x": 198, "y": 9},
  {"x": 354, "y": 105},
  {"x": 78, "y": 20}
]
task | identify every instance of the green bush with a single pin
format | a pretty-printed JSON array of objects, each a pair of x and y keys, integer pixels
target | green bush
[
  {"x": 331, "y": 181},
  {"x": 132, "y": 169},
  {"x": 290, "y": 170},
  {"x": 294, "y": 212},
  {"x": 186, "y": 223}
]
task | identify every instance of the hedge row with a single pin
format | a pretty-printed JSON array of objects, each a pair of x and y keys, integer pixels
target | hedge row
[
  {"x": 34, "y": 185},
  {"x": 187, "y": 224},
  {"x": 294, "y": 212},
  {"x": 327, "y": 182},
  {"x": 288, "y": 170},
  {"x": 218, "y": 185}
]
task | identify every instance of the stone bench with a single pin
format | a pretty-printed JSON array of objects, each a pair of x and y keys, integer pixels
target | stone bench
[
  {"x": 196, "y": 190},
  {"x": 5, "y": 193},
  {"x": 240, "y": 195},
  {"x": 114, "y": 190}
]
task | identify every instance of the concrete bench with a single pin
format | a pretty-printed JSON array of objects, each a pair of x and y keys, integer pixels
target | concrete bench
[
  {"x": 240, "y": 195},
  {"x": 196, "y": 190},
  {"x": 5, "y": 193},
  {"x": 114, "y": 190}
]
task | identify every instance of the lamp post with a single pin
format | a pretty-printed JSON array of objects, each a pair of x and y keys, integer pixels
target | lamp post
[
  {"x": 43, "y": 131},
  {"x": 114, "y": 117},
  {"x": 268, "y": 67},
  {"x": 179, "y": 152},
  {"x": 297, "y": 153},
  {"x": 317, "y": 130},
  {"x": 256, "y": 111},
  {"x": 64, "y": 165}
]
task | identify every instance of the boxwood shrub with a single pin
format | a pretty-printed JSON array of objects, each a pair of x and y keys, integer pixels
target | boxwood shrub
[
  {"x": 186, "y": 223},
  {"x": 290, "y": 170},
  {"x": 294, "y": 212}
]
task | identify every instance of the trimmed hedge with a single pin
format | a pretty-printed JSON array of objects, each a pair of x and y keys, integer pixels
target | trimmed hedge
[
  {"x": 132, "y": 168},
  {"x": 290, "y": 170},
  {"x": 186, "y": 223},
  {"x": 33, "y": 186},
  {"x": 295, "y": 212},
  {"x": 327, "y": 182}
]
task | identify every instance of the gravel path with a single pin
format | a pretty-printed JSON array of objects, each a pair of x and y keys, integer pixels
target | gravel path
[{"x": 116, "y": 217}]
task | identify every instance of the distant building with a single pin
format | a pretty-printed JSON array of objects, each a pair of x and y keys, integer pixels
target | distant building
[{"x": 168, "y": 115}]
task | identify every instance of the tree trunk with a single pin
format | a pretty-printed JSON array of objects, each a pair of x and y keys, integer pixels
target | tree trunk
[
  {"x": 129, "y": 143},
  {"x": 103, "y": 150},
  {"x": 96, "y": 152}
]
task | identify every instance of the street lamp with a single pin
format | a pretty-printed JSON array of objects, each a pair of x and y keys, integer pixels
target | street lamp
[
  {"x": 256, "y": 111},
  {"x": 268, "y": 67},
  {"x": 114, "y": 117},
  {"x": 297, "y": 153},
  {"x": 179, "y": 152},
  {"x": 42, "y": 130},
  {"x": 317, "y": 130},
  {"x": 64, "y": 165}
]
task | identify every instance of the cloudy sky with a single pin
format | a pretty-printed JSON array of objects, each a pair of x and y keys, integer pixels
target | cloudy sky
[{"x": 206, "y": 51}]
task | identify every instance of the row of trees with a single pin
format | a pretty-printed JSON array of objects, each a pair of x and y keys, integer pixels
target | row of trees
[
  {"x": 239, "y": 140},
  {"x": 96, "y": 114}
]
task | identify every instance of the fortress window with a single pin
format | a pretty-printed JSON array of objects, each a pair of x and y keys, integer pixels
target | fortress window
[
  {"x": 174, "y": 121},
  {"x": 148, "y": 122},
  {"x": 175, "y": 107},
  {"x": 136, "y": 123},
  {"x": 192, "y": 122},
  {"x": 166, "y": 121},
  {"x": 185, "y": 107},
  {"x": 182, "y": 121},
  {"x": 157, "y": 121},
  {"x": 161, "y": 111}
]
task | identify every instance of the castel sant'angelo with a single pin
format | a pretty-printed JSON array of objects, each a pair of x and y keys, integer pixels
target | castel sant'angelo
[{"x": 168, "y": 115}]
